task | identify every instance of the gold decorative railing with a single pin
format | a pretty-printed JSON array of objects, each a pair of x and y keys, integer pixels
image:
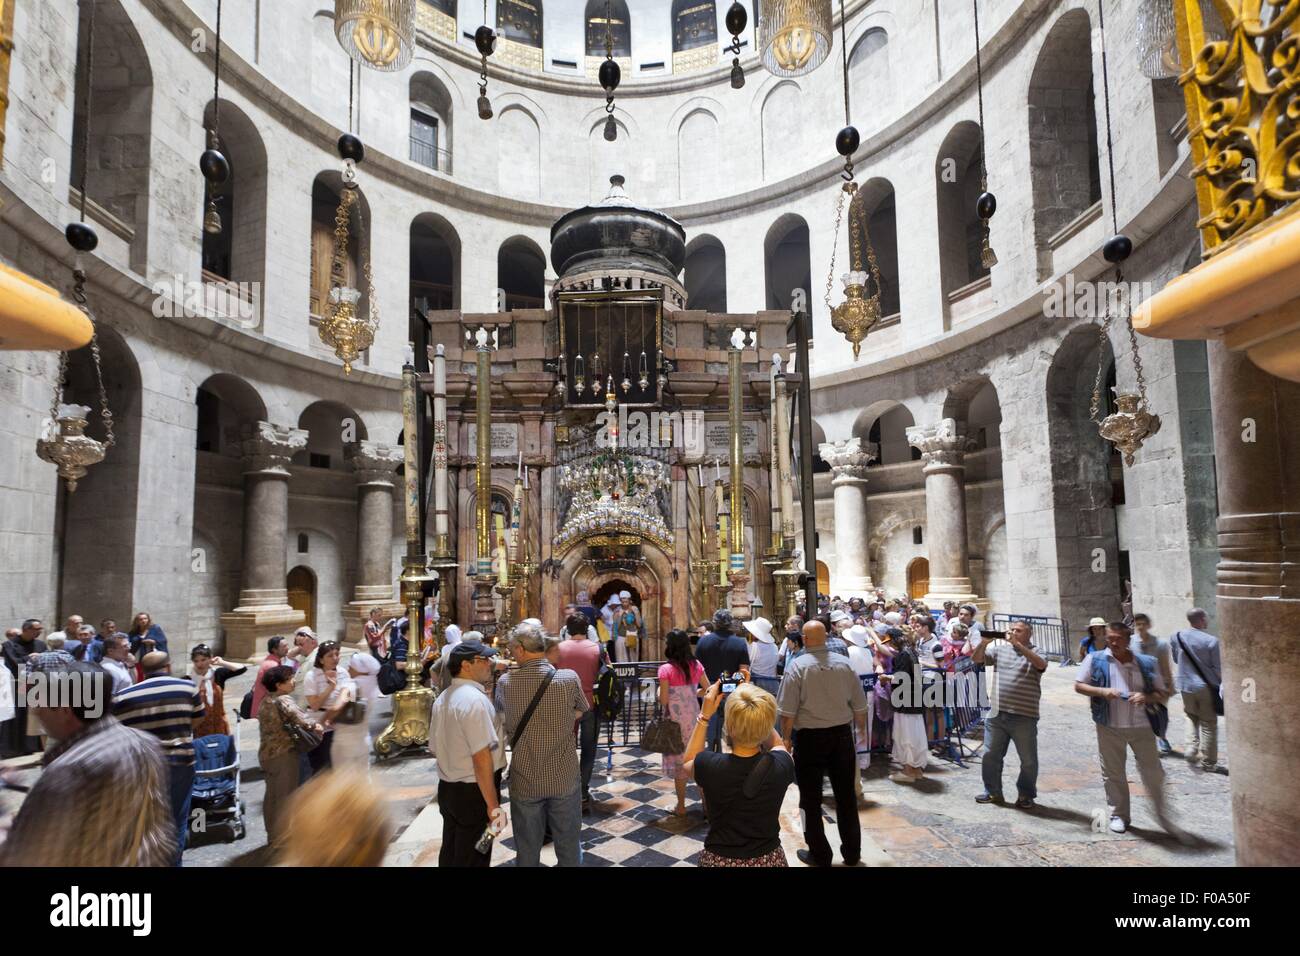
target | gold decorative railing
[{"x": 1243, "y": 108}]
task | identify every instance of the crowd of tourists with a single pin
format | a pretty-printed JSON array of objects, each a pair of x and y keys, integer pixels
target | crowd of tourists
[{"x": 754, "y": 711}]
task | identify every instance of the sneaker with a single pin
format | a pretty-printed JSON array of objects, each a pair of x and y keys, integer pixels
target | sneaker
[
  {"x": 1025, "y": 803},
  {"x": 1117, "y": 825},
  {"x": 1163, "y": 746},
  {"x": 989, "y": 798},
  {"x": 1215, "y": 768}
]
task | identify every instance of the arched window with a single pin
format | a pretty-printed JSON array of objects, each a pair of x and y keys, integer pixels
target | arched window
[
  {"x": 236, "y": 255},
  {"x": 325, "y": 272},
  {"x": 520, "y": 21},
  {"x": 435, "y": 263},
  {"x": 521, "y": 275},
  {"x": 869, "y": 74},
  {"x": 697, "y": 140},
  {"x": 619, "y": 25},
  {"x": 430, "y": 122},
  {"x": 519, "y": 168},
  {"x": 695, "y": 24},
  {"x": 706, "y": 275},
  {"x": 788, "y": 263}
]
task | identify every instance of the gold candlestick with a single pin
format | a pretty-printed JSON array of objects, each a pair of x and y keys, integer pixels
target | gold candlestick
[{"x": 739, "y": 576}]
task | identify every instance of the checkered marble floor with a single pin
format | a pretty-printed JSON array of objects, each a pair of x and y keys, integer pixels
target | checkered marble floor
[{"x": 631, "y": 820}]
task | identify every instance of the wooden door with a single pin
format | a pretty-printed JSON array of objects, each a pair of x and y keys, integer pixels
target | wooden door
[
  {"x": 823, "y": 578},
  {"x": 918, "y": 578},
  {"x": 301, "y": 585}
]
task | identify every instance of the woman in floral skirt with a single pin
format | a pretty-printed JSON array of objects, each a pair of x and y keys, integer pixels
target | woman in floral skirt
[{"x": 680, "y": 680}]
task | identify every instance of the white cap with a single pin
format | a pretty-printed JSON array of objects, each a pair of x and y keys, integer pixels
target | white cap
[
  {"x": 894, "y": 618},
  {"x": 837, "y": 616},
  {"x": 856, "y": 635}
]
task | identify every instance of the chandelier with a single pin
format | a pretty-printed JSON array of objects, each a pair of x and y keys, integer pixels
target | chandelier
[
  {"x": 611, "y": 495},
  {"x": 1155, "y": 36},
  {"x": 794, "y": 36},
  {"x": 378, "y": 33}
]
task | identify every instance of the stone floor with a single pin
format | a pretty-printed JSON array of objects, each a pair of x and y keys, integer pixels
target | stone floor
[{"x": 933, "y": 823}]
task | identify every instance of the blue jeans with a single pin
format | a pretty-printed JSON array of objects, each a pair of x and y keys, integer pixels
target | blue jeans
[
  {"x": 181, "y": 785},
  {"x": 588, "y": 727},
  {"x": 999, "y": 732},
  {"x": 530, "y": 819},
  {"x": 773, "y": 686}
]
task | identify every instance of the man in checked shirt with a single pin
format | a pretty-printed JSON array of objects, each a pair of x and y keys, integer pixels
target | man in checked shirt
[{"x": 544, "y": 781}]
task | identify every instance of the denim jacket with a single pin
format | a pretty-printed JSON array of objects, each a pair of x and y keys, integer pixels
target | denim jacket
[{"x": 1099, "y": 676}]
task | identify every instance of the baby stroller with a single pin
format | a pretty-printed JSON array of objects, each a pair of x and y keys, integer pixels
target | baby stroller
[{"x": 216, "y": 786}]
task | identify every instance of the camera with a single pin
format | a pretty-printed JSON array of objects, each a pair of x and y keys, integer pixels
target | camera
[{"x": 730, "y": 681}]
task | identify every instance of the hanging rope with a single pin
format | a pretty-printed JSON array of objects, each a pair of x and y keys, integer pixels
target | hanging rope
[
  {"x": 979, "y": 92},
  {"x": 216, "y": 78},
  {"x": 844, "y": 53},
  {"x": 1105, "y": 88}
]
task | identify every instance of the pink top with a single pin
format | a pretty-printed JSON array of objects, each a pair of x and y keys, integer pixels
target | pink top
[{"x": 673, "y": 674}]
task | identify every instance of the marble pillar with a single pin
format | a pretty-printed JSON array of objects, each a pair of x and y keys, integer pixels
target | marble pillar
[
  {"x": 375, "y": 466},
  {"x": 263, "y": 609},
  {"x": 848, "y": 460},
  {"x": 943, "y": 448},
  {"x": 1257, "y": 458}
]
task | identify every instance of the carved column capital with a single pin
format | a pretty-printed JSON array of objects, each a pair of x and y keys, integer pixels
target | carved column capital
[
  {"x": 374, "y": 462},
  {"x": 942, "y": 445},
  {"x": 268, "y": 448},
  {"x": 849, "y": 458}
]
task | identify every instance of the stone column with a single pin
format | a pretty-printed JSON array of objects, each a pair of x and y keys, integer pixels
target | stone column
[
  {"x": 263, "y": 608},
  {"x": 1257, "y": 457},
  {"x": 375, "y": 465},
  {"x": 848, "y": 460},
  {"x": 943, "y": 447}
]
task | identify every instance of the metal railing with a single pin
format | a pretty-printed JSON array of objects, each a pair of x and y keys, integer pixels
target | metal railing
[
  {"x": 426, "y": 154},
  {"x": 639, "y": 681},
  {"x": 1051, "y": 635}
]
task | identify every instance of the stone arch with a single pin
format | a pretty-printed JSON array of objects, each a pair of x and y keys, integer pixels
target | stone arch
[
  {"x": 878, "y": 204},
  {"x": 974, "y": 403},
  {"x": 698, "y": 142},
  {"x": 957, "y": 186},
  {"x": 521, "y": 274},
  {"x": 519, "y": 168},
  {"x": 779, "y": 118},
  {"x": 869, "y": 73},
  {"x": 788, "y": 263},
  {"x": 884, "y": 424},
  {"x": 120, "y": 122},
  {"x": 705, "y": 274},
  {"x": 97, "y": 525},
  {"x": 1087, "y": 543},
  {"x": 225, "y": 404},
  {"x": 435, "y": 263},
  {"x": 655, "y": 575},
  {"x": 431, "y": 122},
  {"x": 1064, "y": 159},
  {"x": 330, "y": 427},
  {"x": 238, "y": 253}
]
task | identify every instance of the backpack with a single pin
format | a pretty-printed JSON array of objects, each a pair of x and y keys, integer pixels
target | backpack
[
  {"x": 391, "y": 677},
  {"x": 246, "y": 706},
  {"x": 608, "y": 694}
]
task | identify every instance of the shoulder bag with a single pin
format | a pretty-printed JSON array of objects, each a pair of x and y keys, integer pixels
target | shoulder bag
[
  {"x": 305, "y": 739},
  {"x": 523, "y": 722},
  {"x": 1215, "y": 690}
]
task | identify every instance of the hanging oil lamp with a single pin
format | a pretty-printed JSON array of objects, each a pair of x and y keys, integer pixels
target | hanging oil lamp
[
  {"x": 644, "y": 381},
  {"x": 611, "y": 399},
  {"x": 610, "y": 75},
  {"x": 212, "y": 164},
  {"x": 987, "y": 204},
  {"x": 485, "y": 42},
  {"x": 737, "y": 20},
  {"x": 345, "y": 328},
  {"x": 626, "y": 384}
]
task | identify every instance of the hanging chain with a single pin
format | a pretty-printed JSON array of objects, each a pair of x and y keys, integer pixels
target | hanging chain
[
  {"x": 85, "y": 108},
  {"x": 216, "y": 78},
  {"x": 482, "y": 74},
  {"x": 1105, "y": 87},
  {"x": 979, "y": 92},
  {"x": 342, "y": 220},
  {"x": 372, "y": 302},
  {"x": 1103, "y": 342},
  {"x": 848, "y": 189},
  {"x": 79, "y": 296}
]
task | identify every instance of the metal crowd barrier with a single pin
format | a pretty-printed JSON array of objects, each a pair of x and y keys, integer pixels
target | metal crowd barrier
[
  {"x": 1051, "y": 635},
  {"x": 639, "y": 681}
]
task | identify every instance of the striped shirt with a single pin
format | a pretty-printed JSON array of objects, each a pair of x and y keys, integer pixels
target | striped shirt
[
  {"x": 544, "y": 761},
  {"x": 163, "y": 706},
  {"x": 1017, "y": 685}
]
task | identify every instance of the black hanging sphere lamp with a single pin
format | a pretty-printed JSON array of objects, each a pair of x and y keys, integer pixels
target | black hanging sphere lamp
[{"x": 737, "y": 19}]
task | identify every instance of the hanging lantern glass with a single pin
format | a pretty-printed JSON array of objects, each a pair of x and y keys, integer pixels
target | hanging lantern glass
[
  {"x": 378, "y": 33},
  {"x": 794, "y": 36},
  {"x": 1155, "y": 35}
]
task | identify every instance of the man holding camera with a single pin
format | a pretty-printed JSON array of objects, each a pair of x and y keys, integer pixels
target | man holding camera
[
  {"x": 1017, "y": 689},
  {"x": 721, "y": 652},
  {"x": 821, "y": 698}
]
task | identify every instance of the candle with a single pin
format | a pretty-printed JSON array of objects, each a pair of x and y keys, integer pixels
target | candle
[
  {"x": 520, "y": 470},
  {"x": 717, "y": 469}
]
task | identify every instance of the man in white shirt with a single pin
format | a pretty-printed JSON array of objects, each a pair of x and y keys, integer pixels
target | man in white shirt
[
  {"x": 864, "y": 664},
  {"x": 463, "y": 737},
  {"x": 1120, "y": 685},
  {"x": 117, "y": 661},
  {"x": 304, "y": 651}
]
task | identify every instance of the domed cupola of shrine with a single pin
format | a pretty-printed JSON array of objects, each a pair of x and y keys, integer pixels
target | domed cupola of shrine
[{"x": 618, "y": 245}]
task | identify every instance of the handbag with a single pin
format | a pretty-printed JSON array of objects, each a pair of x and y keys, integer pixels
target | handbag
[
  {"x": 663, "y": 736},
  {"x": 305, "y": 739},
  {"x": 353, "y": 712},
  {"x": 523, "y": 723},
  {"x": 1216, "y": 690}
]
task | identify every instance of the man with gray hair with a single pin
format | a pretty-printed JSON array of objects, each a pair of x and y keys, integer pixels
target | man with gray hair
[
  {"x": 540, "y": 704},
  {"x": 1195, "y": 652}
]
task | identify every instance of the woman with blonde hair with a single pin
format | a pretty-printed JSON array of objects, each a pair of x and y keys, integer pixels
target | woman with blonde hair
[
  {"x": 338, "y": 802},
  {"x": 744, "y": 789}
]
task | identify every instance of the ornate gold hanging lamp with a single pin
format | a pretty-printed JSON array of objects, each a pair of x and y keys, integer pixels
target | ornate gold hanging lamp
[
  {"x": 1133, "y": 422},
  {"x": 795, "y": 36},
  {"x": 346, "y": 327},
  {"x": 854, "y": 317},
  {"x": 66, "y": 444},
  {"x": 377, "y": 33}
]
